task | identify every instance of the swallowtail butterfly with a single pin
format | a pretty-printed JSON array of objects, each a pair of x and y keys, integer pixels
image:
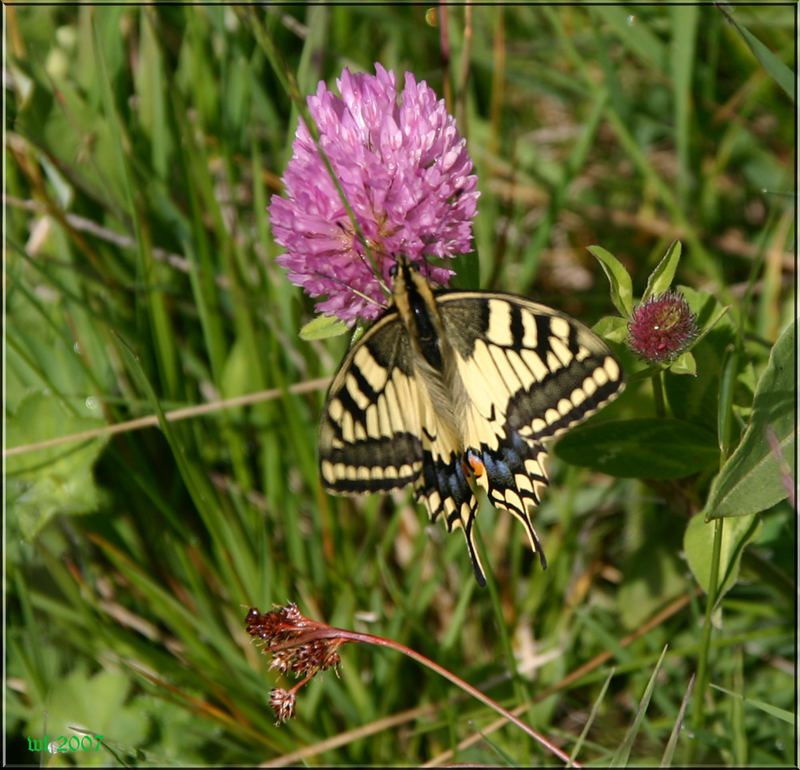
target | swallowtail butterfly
[{"x": 457, "y": 389}]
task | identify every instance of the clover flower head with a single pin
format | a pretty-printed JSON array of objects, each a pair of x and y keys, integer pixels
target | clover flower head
[
  {"x": 406, "y": 174},
  {"x": 662, "y": 327}
]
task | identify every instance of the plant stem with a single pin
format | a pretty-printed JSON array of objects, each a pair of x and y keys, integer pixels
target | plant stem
[
  {"x": 705, "y": 642},
  {"x": 658, "y": 393},
  {"x": 353, "y": 636}
]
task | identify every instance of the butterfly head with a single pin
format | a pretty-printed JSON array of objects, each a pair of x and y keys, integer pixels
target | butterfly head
[{"x": 409, "y": 285}]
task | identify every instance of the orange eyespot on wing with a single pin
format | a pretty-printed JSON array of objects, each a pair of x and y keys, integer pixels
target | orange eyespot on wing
[{"x": 474, "y": 463}]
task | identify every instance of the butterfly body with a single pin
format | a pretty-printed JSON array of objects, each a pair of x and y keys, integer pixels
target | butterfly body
[{"x": 457, "y": 389}]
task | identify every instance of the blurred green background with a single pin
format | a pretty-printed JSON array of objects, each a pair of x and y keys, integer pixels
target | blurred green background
[{"x": 142, "y": 145}]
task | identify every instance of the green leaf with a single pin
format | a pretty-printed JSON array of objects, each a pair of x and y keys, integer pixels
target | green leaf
[
  {"x": 754, "y": 478},
  {"x": 698, "y": 541},
  {"x": 197, "y": 483},
  {"x": 467, "y": 272},
  {"x": 239, "y": 376},
  {"x": 661, "y": 278},
  {"x": 683, "y": 65},
  {"x": 672, "y": 743},
  {"x": 727, "y": 384},
  {"x": 618, "y": 278},
  {"x": 636, "y": 36},
  {"x": 322, "y": 327},
  {"x": 645, "y": 448},
  {"x": 684, "y": 364},
  {"x": 56, "y": 480},
  {"x": 72, "y": 701},
  {"x": 612, "y": 328},
  {"x": 653, "y": 574}
]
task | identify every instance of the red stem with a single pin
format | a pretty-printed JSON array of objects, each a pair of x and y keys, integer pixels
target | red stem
[{"x": 328, "y": 632}]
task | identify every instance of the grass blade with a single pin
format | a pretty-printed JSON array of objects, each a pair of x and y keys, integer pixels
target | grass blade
[
  {"x": 672, "y": 743},
  {"x": 623, "y": 752},
  {"x": 775, "y": 68}
]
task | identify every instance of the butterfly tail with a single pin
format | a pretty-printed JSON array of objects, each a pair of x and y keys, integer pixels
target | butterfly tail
[
  {"x": 469, "y": 535},
  {"x": 444, "y": 489}
]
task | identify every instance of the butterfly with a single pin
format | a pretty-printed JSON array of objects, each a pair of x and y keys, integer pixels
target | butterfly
[{"x": 453, "y": 390}]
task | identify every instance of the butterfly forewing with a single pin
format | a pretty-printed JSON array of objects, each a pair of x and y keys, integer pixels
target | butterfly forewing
[
  {"x": 527, "y": 367},
  {"x": 370, "y": 434},
  {"x": 503, "y": 376}
]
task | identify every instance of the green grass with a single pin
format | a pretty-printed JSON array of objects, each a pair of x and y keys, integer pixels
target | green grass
[{"x": 142, "y": 146}]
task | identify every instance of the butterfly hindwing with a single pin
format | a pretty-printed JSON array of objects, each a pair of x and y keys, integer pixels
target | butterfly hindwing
[{"x": 445, "y": 489}]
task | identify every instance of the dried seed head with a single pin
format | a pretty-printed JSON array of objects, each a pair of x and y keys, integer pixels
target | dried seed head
[
  {"x": 282, "y": 703},
  {"x": 295, "y": 645}
]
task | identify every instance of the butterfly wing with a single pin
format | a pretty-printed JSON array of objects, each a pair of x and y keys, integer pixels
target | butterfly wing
[
  {"x": 369, "y": 437},
  {"x": 380, "y": 431},
  {"x": 529, "y": 373}
]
